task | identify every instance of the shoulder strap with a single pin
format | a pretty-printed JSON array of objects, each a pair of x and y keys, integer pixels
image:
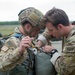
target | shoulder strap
[{"x": 18, "y": 35}]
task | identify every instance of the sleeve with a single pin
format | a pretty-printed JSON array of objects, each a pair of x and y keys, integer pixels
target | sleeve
[
  {"x": 65, "y": 64},
  {"x": 45, "y": 37},
  {"x": 9, "y": 54}
]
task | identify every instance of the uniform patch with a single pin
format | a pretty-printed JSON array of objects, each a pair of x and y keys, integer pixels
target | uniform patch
[{"x": 4, "y": 48}]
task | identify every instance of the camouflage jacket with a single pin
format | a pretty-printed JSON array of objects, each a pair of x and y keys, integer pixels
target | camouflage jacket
[
  {"x": 65, "y": 65},
  {"x": 45, "y": 37},
  {"x": 9, "y": 54}
]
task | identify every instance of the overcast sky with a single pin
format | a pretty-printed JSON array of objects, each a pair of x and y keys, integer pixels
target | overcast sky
[{"x": 9, "y": 9}]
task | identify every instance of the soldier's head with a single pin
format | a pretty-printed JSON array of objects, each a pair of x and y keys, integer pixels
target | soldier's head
[
  {"x": 30, "y": 19},
  {"x": 56, "y": 20}
]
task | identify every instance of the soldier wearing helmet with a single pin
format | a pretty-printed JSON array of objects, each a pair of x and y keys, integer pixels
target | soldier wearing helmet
[
  {"x": 14, "y": 52},
  {"x": 33, "y": 17}
]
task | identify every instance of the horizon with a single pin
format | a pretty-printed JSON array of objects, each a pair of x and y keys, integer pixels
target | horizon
[{"x": 9, "y": 9}]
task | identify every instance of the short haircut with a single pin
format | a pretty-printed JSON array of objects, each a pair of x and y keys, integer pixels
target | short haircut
[{"x": 56, "y": 16}]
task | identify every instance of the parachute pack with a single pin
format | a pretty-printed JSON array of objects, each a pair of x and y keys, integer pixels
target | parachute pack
[{"x": 43, "y": 64}]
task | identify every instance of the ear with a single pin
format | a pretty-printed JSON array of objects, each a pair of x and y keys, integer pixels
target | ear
[{"x": 60, "y": 26}]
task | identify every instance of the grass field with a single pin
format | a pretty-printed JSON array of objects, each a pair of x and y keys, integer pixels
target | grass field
[{"x": 7, "y": 29}]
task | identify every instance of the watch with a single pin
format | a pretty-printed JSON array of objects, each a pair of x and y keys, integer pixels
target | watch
[{"x": 53, "y": 51}]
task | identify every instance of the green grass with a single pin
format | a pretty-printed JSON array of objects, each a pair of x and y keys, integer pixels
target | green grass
[{"x": 7, "y": 29}]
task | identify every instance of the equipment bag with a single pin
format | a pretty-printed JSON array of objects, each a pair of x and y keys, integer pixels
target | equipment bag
[{"x": 43, "y": 64}]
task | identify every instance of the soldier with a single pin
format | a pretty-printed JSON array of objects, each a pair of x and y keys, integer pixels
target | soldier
[
  {"x": 14, "y": 52},
  {"x": 57, "y": 22}
]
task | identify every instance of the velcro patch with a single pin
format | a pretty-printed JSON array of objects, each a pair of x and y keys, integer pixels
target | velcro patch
[{"x": 4, "y": 48}]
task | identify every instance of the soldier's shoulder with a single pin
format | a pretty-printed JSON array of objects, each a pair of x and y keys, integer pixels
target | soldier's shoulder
[
  {"x": 72, "y": 38},
  {"x": 11, "y": 43},
  {"x": 13, "y": 40}
]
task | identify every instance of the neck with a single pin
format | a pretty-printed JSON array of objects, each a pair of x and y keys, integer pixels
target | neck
[{"x": 68, "y": 29}]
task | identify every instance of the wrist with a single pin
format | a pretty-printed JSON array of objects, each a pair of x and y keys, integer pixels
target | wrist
[
  {"x": 39, "y": 43},
  {"x": 43, "y": 39},
  {"x": 55, "y": 56},
  {"x": 20, "y": 52},
  {"x": 53, "y": 52}
]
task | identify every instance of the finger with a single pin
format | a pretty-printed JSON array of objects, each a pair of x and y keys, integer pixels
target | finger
[
  {"x": 32, "y": 38},
  {"x": 25, "y": 45},
  {"x": 25, "y": 39}
]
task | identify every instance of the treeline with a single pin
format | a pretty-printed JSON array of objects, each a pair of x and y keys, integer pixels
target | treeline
[
  {"x": 10, "y": 23},
  {"x": 13, "y": 23}
]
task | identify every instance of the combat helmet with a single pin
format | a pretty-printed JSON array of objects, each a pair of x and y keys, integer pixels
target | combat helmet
[{"x": 31, "y": 15}]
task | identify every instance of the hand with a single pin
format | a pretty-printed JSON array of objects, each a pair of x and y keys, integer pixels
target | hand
[
  {"x": 48, "y": 48},
  {"x": 39, "y": 44},
  {"x": 25, "y": 43}
]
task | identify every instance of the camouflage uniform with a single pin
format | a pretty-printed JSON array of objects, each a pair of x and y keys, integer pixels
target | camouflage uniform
[
  {"x": 10, "y": 54},
  {"x": 10, "y": 58},
  {"x": 45, "y": 37},
  {"x": 67, "y": 66}
]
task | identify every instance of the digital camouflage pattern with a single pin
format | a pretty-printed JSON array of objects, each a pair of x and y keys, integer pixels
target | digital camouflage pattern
[
  {"x": 65, "y": 65},
  {"x": 10, "y": 58},
  {"x": 45, "y": 37},
  {"x": 9, "y": 55},
  {"x": 46, "y": 34},
  {"x": 31, "y": 15}
]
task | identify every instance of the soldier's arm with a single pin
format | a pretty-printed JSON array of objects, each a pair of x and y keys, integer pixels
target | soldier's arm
[
  {"x": 44, "y": 38},
  {"x": 10, "y": 55},
  {"x": 65, "y": 64}
]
